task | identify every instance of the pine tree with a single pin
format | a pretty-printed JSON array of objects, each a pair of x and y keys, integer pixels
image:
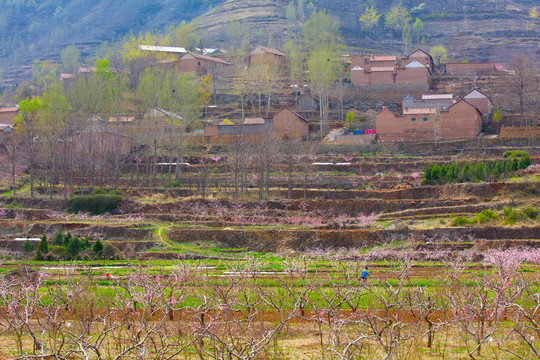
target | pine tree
[
  {"x": 98, "y": 247},
  {"x": 58, "y": 238},
  {"x": 42, "y": 249}
]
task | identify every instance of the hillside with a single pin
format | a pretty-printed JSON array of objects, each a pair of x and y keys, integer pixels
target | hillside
[
  {"x": 40, "y": 29},
  {"x": 471, "y": 30},
  {"x": 479, "y": 30}
]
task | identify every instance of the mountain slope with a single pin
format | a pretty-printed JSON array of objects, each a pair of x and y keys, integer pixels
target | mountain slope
[
  {"x": 40, "y": 29},
  {"x": 471, "y": 30}
]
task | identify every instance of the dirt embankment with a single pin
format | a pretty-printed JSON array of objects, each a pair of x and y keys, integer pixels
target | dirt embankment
[{"x": 302, "y": 239}]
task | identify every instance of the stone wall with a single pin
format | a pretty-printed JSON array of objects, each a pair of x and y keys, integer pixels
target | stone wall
[{"x": 520, "y": 132}]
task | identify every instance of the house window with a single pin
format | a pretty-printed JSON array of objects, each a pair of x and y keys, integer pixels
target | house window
[
  {"x": 413, "y": 119},
  {"x": 425, "y": 119},
  {"x": 199, "y": 63}
]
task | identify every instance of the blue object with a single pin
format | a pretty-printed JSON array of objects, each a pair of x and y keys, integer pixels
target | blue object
[
  {"x": 358, "y": 132},
  {"x": 364, "y": 274}
]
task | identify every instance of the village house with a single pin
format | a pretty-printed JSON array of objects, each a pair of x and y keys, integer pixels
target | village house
[
  {"x": 307, "y": 103},
  {"x": 464, "y": 68},
  {"x": 481, "y": 101},
  {"x": 433, "y": 118},
  {"x": 290, "y": 124},
  {"x": 169, "y": 51},
  {"x": 8, "y": 114},
  {"x": 103, "y": 142},
  {"x": 199, "y": 63},
  {"x": 373, "y": 70},
  {"x": 266, "y": 55},
  {"x": 420, "y": 56},
  {"x": 285, "y": 124},
  {"x": 428, "y": 101}
]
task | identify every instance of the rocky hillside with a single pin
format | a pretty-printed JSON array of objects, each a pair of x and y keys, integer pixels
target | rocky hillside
[{"x": 471, "y": 30}]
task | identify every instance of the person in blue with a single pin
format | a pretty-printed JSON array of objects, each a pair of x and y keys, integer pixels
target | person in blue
[{"x": 364, "y": 275}]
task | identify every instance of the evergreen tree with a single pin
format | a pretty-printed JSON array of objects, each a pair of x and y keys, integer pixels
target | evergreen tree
[
  {"x": 58, "y": 238},
  {"x": 74, "y": 246},
  {"x": 98, "y": 247},
  {"x": 42, "y": 249}
]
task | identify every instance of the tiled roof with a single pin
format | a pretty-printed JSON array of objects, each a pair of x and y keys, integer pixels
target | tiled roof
[
  {"x": 270, "y": 50},
  {"x": 383, "y": 68},
  {"x": 253, "y": 121},
  {"x": 383, "y": 58},
  {"x": 9, "y": 109},
  {"x": 418, "y": 111},
  {"x": 206, "y": 57},
  {"x": 437, "y": 96}
]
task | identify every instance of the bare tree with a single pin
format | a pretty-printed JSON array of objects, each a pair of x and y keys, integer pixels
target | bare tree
[{"x": 522, "y": 82}]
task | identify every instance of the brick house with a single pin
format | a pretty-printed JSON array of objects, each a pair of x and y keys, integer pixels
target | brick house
[
  {"x": 164, "y": 50},
  {"x": 8, "y": 114},
  {"x": 479, "y": 68},
  {"x": 306, "y": 103},
  {"x": 420, "y": 56},
  {"x": 284, "y": 124},
  {"x": 192, "y": 62},
  {"x": 461, "y": 120},
  {"x": 372, "y": 70},
  {"x": 266, "y": 55},
  {"x": 480, "y": 100},
  {"x": 287, "y": 123}
]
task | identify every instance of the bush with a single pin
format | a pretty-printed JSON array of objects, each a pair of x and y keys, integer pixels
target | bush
[
  {"x": 110, "y": 252},
  {"x": 512, "y": 154},
  {"x": 94, "y": 204},
  {"x": 486, "y": 216},
  {"x": 531, "y": 212},
  {"x": 99, "y": 191},
  {"x": 172, "y": 184},
  {"x": 512, "y": 216},
  {"x": 60, "y": 252},
  {"x": 460, "y": 221},
  {"x": 28, "y": 247}
]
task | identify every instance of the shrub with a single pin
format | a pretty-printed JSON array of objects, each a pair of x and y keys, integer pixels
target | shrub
[
  {"x": 110, "y": 252},
  {"x": 511, "y": 154},
  {"x": 486, "y": 216},
  {"x": 28, "y": 247},
  {"x": 512, "y": 216},
  {"x": 60, "y": 252},
  {"x": 95, "y": 204},
  {"x": 531, "y": 212},
  {"x": 460, "y": 221},
  {"x": 172, "y": 184},
  {"x": 99, "y": 191}
]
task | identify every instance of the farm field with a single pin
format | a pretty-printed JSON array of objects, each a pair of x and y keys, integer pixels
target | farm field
[{"x": 217, "y": 264}]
